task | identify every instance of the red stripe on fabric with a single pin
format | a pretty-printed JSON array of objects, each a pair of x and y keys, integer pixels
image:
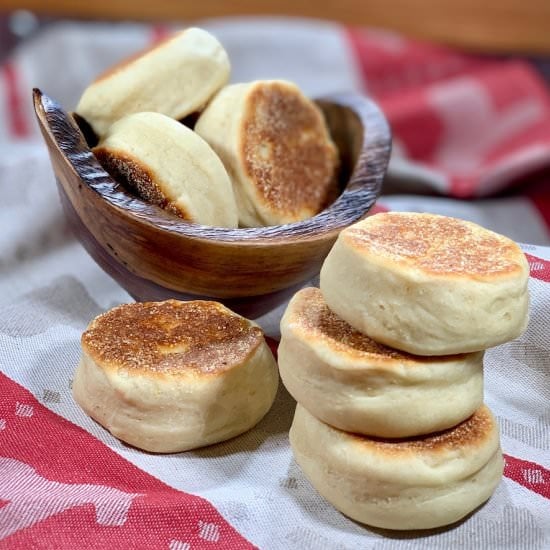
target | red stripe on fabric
[
  {"x": 492, "y": 115},
  {"x": 539, "y": 268},
  {"x": 390, "y": 63},
  {"x": 378, "y": 209},
  {"x": 407, "y": 113},
  {"x": 514, "y": 81},
  {"x": 462, "y": 115},
  {"x": 158, "y": 34},
  {"x": 61, "y": 486},
  {"x": 16, "y": 120},
  {"x": 530, "y": 475}
]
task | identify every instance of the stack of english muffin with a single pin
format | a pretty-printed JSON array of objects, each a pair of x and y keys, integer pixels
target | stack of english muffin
[{"x": 386, "y": 363}]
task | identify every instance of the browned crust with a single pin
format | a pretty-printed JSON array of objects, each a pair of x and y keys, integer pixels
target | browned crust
[
  {"x": 436, "y": 244},
  {"x": 473, "y": 432},
  {"x": 171, "y": 337},
  {"x": 311, "y": 315},
  {"x": 287, "y": 151},
  {"x": 134, "y": 175}
]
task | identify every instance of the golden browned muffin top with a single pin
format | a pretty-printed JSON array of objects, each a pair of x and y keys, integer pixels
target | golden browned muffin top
[
  {"x": 436, "y": 245},
  {"x": 309, "y": 314},
  {"x": 473, "y": 432},
  {"x": 133, "y": 174},
  {"x": 287, "y": 151},
  {"x": 171, "y": 337}
]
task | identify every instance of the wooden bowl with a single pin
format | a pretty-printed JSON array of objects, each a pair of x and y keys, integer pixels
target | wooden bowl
[{"x": 156, "y": 256}]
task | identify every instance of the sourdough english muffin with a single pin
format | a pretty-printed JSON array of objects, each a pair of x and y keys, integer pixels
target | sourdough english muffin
[
  {"x": 427, "y": 284},
  {"x": 276, "y": 147},
  {"x": 355, "y": 384},
  {"x": 167, "y": 164},
  {"x": 418, "y": 483},
  {"x": 172, "y": 376},
  {"x": 176, "y": 77}
]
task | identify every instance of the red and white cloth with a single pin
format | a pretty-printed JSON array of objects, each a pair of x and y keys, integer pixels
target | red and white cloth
[{"x": 465, "y": 127}]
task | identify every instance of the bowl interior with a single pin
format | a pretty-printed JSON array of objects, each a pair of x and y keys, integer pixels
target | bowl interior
[
  {"x": 357, "y": 125},
  {"x": 155, "y": 255}
]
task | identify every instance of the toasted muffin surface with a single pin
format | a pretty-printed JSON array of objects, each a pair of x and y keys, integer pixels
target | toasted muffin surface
[
  {"x": 427, "y": 284},
  {"x": 173, "y": 376},
  {"x": 287, "y": 151},
  {"x": 438, "y": 245},
  {"x": 470, "y": 434},
  {"x": 311, "y": 316},
  {"x": 169, "y": 165},
  {"x": 434, "y": 459},
  {"x": 276, "y": 148},
  {"x": 172, "y": 337},
  {"x": 418, "y": 483},
  {"x": 138, "y": 177}
]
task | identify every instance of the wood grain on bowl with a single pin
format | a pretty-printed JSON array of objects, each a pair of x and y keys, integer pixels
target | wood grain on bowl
[{"x": 154, "y": 255}]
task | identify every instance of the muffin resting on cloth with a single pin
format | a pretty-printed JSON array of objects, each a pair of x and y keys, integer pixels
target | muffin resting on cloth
[
  {"x": 417, "y": 483},
  {"x": 172, "y": 376}
]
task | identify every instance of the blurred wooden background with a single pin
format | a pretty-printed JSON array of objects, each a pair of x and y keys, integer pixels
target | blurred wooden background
[{"x": 520, "y": 26}]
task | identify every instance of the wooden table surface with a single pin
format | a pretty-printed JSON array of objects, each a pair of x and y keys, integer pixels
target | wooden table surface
[{"x": 516, "y": 26}]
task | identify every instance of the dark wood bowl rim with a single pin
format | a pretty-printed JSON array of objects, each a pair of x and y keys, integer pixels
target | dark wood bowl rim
[{"x": 357, "y": 198}]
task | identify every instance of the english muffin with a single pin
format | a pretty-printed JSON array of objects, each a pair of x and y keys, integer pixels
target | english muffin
[
  {"x": 417, "y": 483},
  {"x": 172, "y": 376},
  {"x": 276, "y": 148},
  {"x": 427, "y": 284},
  {"x": 355, "y": 384},
  {"x": 167, "y": 164},
  {"x": 176, "y": 77}
]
